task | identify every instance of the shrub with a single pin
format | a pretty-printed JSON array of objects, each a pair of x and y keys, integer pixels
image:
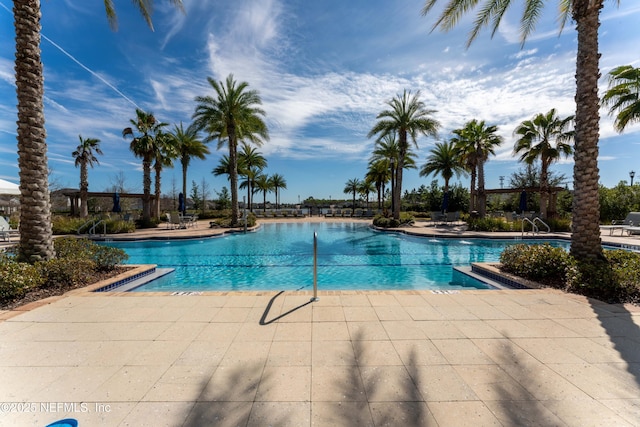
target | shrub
[
  {"x": 490, "y": 224},
  {"x": 17, "y": 277},
  {"x": 66, "y": 225},
  {"x": 73, "y": 247},
  {"x": 536, "y": 262},
  {"x": 106, "y": 258},
  {"x": 615, "y": 280},
  {"x": 382, "y": 221},
  {"x": 60, "y": 272}
]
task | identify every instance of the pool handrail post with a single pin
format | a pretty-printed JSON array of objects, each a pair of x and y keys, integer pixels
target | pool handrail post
[{"x": 315, "y": 267}]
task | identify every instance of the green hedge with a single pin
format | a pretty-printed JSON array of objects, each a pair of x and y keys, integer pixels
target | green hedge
[{"x": 616, "y": 279}]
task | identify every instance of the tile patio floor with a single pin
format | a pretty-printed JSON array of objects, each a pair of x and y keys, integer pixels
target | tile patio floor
[
  {"x": 472, "y": 358},
  {"x": 468, "y": 358}
]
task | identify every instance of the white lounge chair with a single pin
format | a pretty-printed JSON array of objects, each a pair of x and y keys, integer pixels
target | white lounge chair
[
  {"x": 629, "y": 224},
  {"x": 6, "y": 231}
]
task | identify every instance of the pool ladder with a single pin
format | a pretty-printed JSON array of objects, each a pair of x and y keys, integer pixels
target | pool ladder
[
  {"x": 315, "y": 267},
  {"x": 534, "y": 228}
]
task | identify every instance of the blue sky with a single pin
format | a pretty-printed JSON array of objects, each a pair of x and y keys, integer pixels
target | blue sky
[{"x": 324, "y": 71}]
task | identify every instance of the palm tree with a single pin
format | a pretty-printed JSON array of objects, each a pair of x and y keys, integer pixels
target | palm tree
[
  {"x": 36, "y": 236},
  {"x": 352, "y": 187},
  {"x": 223, "y": 168},
  {"x": 379, "y": 174},
  {"x": 165, "y": 153},
  {"x": 230, "y": 117},
  {"x": 264, "y": 184},
  {"x": 188, "y": 146},
  {"x": 623, "y": 96},
  {"x": 407, "y": 118},
  {"x": 366, "y": 187},
  {"x": 443, "y": 160},
  {"x": 585, "y": 239},
  {"x": 144, "y": 147},
  {"x": 474, "y": 143},
  {"x": 536, "y": 142},
  {"x": 277, "y": 182},
  {"x": 84, "y": 156},
  {"x": 250, "y": 164}
]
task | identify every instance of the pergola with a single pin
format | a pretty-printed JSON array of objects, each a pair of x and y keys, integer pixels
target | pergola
[
  {"x": 553, "y": 195},
  {"x": 74, "y": 197}
]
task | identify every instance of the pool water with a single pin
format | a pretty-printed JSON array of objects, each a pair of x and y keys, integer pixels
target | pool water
[{"x": 351, "y": 256}]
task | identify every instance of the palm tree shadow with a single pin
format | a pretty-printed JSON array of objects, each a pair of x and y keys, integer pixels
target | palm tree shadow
[
  {"x": 229, "y": 401},
  {"x": 623, "y": 332},
  {"x": 411, "y": 411}
]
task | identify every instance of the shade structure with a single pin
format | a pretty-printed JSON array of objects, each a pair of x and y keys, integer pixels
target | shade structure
[
  {"x": 445, "y": 202},
  {"x": 523, "y": 201},
  {"x": 181, "y": 207},
  {"x": 116, "y": 203},
  {"x": 9, "y": 188}
]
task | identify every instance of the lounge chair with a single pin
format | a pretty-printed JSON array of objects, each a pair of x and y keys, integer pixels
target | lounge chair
[
  {"x": 437, "y": 217},
  {"x": 629, "y": 224},
  {"x": 189, "y": 220},
  {"x": 6, "y": 231}
]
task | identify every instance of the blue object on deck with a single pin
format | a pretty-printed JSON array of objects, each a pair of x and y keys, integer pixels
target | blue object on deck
[
  {"x": 116, "y": 203},
  {"x": 523, "y": 201},
  {"x": 445, "y": 202},
  {"x": 181, "y": 207},
  {"x": 67, "y": 422}
]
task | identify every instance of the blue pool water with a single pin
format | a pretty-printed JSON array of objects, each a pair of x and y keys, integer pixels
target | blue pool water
[{"x": 280, "y": 257}]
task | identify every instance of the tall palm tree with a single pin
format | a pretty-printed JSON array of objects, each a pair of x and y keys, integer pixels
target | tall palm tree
[
  {"x": 537, "y": 137},
  {"x": 379, "y": 174},
  {"x": 144, "y": 146},
  {"x": 623, "y": 96},
  {"x": 366, "y": 187},
  {"x": 165, "y": 154},
  {"x": 278, "y": 182},
  {"x": 85, "y": 155},
  {"x": 585, "y": 239},
  {"x": 36, "y": 236},
  {"x": 407, "y": 118},
  {"x": 232, "y": 115},
  {"x": 443, "y": 160},
  {"x": 188, "y": 146},
  {"x": 250, "y": 164},
  {"x": 351, "y": 187},
  {"x": 264, "y": 184},
  {"x": 475, "y": 143}
]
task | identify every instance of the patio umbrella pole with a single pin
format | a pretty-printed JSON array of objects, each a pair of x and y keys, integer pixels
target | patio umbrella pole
[{"x": 315, "y": 267}]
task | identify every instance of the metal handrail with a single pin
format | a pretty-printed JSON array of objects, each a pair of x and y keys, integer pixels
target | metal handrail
[
  {"x": 534, "y": 228},
  {"x": 543, "y": 223},
  {"x": 92, "y": 230},
  {"x": 315, "y": 267},
  {"x": 91, "y": 221}
]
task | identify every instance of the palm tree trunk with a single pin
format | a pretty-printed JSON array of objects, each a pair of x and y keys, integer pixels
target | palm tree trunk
[
  {"x": 156, "y": 211},
  {"x": 585, "y": 239},
  {"x": 482, "y": 198},
  {"x": 84, "y": 187},
  {"x": 184, "y": 182},
  {"x": 146, "y": 185},
  {"x": 472, "y": 191},
  {"x": 544, "y": 187},
  {"x": 233, "y": 178},
  {"x": 36, "y": 236}
]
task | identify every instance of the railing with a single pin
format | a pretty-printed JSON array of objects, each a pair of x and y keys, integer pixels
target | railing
[
  {"x": 92, "y": 230},
  {"x": 90, "y": 222},
  {"x": 93, "y": 224},
  {"x": 534, "y": 228},
  {"x": 315, "y": 267}
]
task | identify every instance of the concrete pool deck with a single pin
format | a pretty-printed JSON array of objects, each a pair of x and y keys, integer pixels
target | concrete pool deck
[{"x": 412, "y": 358}]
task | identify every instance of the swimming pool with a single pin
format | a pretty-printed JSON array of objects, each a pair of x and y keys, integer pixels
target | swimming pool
[{"x": 351, "y": 256}]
